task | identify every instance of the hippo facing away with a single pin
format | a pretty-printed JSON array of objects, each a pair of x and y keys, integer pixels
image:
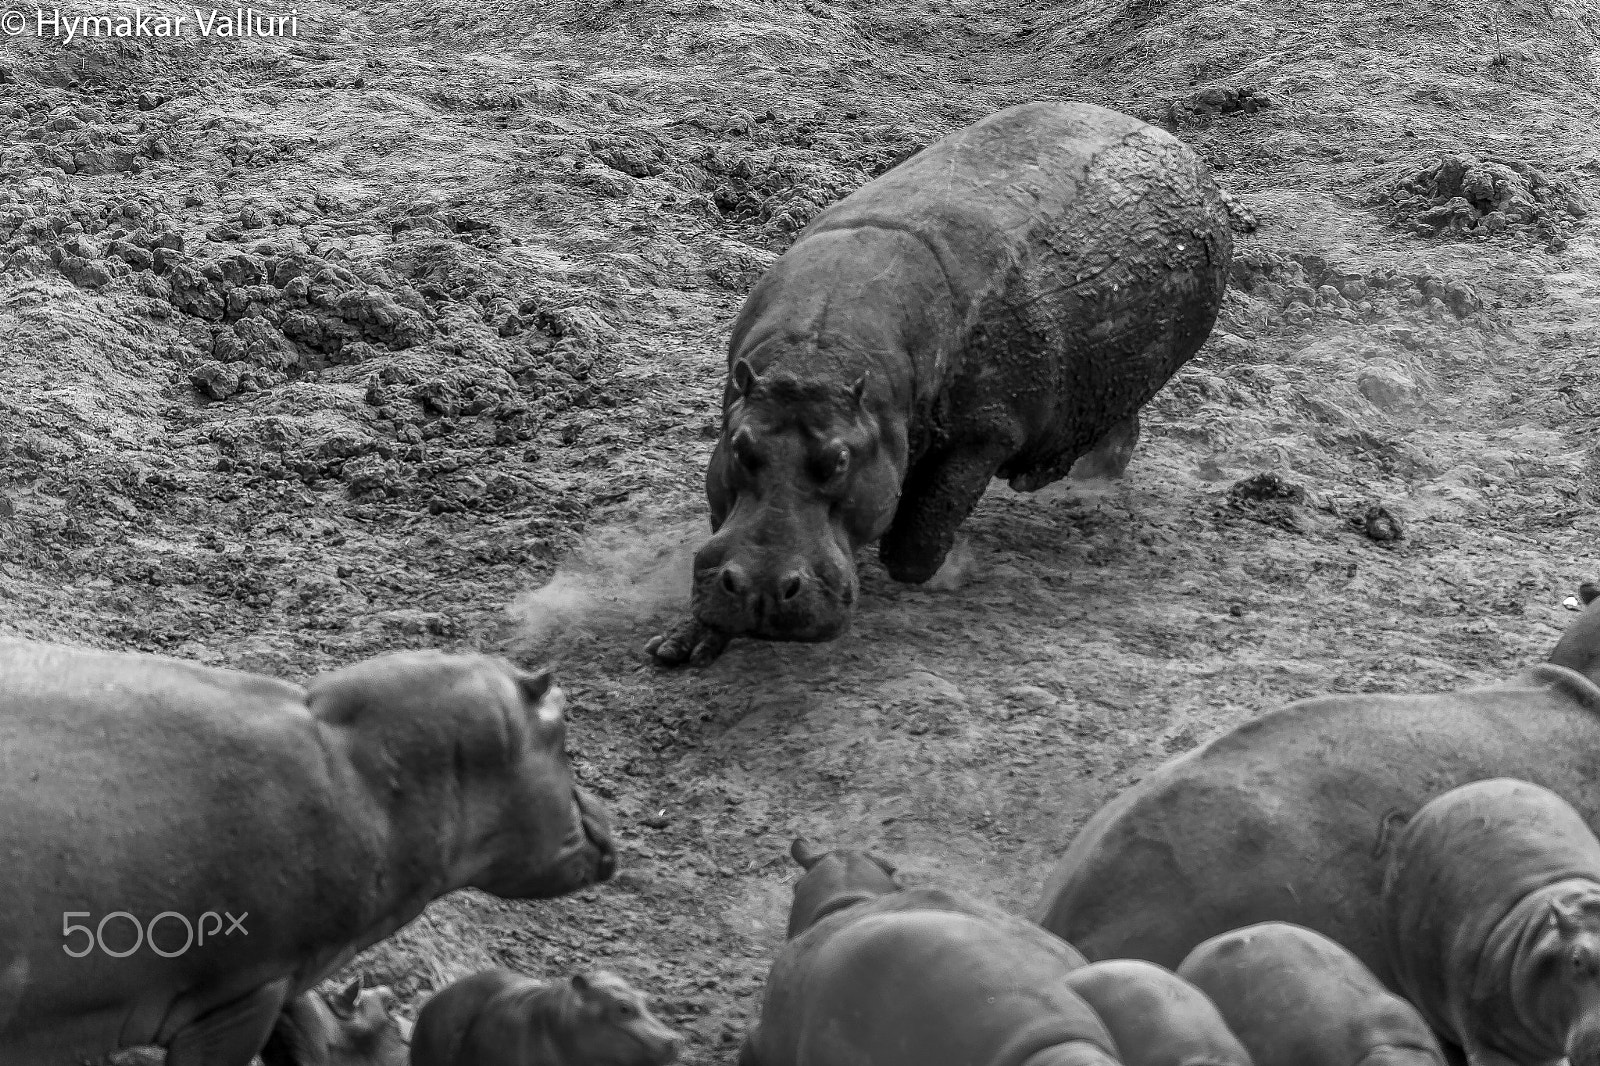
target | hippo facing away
[
  {"x": 1279, "y": 818},
  {"x": 498, "y": 1018},
  {"x": 1156, "y": 1017},
  {"x": 322, "y": 819},
  {"x": 916, "y": 977},
  {"x": 998, "y": 305},
  {"x": 1492, "y": 908},
  {"x": 1295, "y": 998}
]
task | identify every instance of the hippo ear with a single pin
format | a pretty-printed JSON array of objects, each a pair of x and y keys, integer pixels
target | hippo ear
[
  {"x": 534, "y": 685},
  {"x": 744, "y": 379},
  {"x": 883, "y": 864},
  {"x": 1588, "y": 592},
  {"x": 343, "y": 1001},
  {"x": 1564, "y": 917},
  {"x": 580, "y": 984},
  {"x": 802, "y": 853},
  {"x": 859, "y": 390}
]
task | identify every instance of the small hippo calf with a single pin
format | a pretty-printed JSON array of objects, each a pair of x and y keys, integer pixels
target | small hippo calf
[
  {"x": 356, "y": 1026},
  {"x": 498, "y": 1018},
  {"x": 1492, "y": 909},
  {"x": 1156, "y": 1017},
  {"x": 1295, "y": 998},
  {"x": 873, "y": 973}
]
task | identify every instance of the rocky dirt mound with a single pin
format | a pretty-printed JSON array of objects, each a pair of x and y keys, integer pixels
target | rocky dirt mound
[{"x": 1464, "y": 197}]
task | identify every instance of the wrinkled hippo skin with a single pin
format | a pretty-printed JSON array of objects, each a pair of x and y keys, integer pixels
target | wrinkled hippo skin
[
  {"x": 998, "y": 305},
  {"x": 498, "y": 1018},
  {"x": 916, "y": 977},
  {"x": 1295, "y": 998},
  {"x": 324, "y": 817},
  {"x": 1156, "y": 1017},
  {"x": 1278, "y": 819},
  {"x": 1492, "y": 910}
]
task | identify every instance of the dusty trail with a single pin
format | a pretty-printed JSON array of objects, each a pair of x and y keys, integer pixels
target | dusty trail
[{"x": 497, "y": 251}]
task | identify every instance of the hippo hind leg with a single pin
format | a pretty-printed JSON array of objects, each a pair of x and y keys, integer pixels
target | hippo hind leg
[
  {"x": 1111, "y": 454},
  {"x": 939, "y": 494},
  {"x": 1072, "y": 1053},
  {"x": 232, "y": 1034}
]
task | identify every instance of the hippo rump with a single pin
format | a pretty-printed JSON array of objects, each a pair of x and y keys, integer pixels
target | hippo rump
[
  {"x": 1156, "y": 1017},
  {"x": 258, "y": 834},
  {"x": 998, "y": 305},
  {"x": 1492, "y": 910},
  {"x": 499, "y": 1018},
  {"x": 1295, "y": 998},
  {"x": 1279, "y": 818},
  {"x": 916, "y": 977}
]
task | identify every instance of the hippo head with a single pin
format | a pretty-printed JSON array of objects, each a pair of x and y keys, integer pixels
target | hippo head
[
  {"x": 1579, "y": 647},
  {"x": 614, "y": 1027},
  {"x": 471, "y": 753},
  {"x": 355, "y": 1026},
  {"x": 805, "y": 472},
  {"x": 834, "y": 880},
  {"x": 1567, "y": 958}
]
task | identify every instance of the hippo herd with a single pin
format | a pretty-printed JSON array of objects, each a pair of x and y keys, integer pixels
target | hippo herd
[{"x": 187, "y": 853}]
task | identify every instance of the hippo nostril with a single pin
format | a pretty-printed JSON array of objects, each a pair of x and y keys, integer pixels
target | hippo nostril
[
  {"x": 791, "y": 586},
  {"x": 733, "y": 580}
]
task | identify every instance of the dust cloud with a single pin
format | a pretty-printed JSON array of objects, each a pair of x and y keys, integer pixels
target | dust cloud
[{"x": 618, "y": 576}]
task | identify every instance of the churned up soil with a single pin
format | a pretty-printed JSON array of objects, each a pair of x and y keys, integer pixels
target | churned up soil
[{"x": 408, "y": 331}]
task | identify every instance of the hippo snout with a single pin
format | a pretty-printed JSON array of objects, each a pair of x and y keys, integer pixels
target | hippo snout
[
  {"x": 1583, "y": 1040},
  {"x": 775, "y": 600},
  {"x": 668, "y": 1049},
  {"x": 597, "y": 832}
]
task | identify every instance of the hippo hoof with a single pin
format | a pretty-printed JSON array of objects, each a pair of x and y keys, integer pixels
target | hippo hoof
[{"x": 689, "y": 642}]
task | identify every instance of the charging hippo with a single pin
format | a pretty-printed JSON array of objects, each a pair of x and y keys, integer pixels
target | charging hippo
[
  {"x": 498, "y": 1018},
  {"x": 1156, "y": 1017},
  {"x": 355, "y": 1026},
  {"x": 190, "y": 848},
  {"x": 1492, "y": 909},
  {"x": 1278, "y": 819},
  {"x": 1295, "y": 998},
  {"x": 998, "y": 305},
  {"x": 916, "y": 977}
]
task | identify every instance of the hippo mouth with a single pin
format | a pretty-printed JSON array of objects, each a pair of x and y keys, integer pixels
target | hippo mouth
[{"x": 818, "y": 618}]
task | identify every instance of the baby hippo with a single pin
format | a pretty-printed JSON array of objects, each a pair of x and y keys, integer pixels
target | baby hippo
[
  {"x": 876, "y": 974},
  {"x": 498, "y": 1018},
  {"x": 1492, "y": 922},
  {"x": 354, "y": 1027},
  {"x": 1295, "y": 998},
  {"x": 1156, "y": 1017}
]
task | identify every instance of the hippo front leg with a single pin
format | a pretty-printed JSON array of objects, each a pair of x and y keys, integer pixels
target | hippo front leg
[
  {"x": 1110, "y": 456},
  {"x": 230, "y": 1035},
  {"x": 939, "y": 494},
  {"x": 690, "y": 641}
]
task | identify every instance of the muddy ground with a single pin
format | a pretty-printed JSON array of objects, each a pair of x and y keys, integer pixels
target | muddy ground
[{"x": 408, "y": 332}]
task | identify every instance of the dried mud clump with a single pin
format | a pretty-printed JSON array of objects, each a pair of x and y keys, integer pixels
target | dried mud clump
[
  {"x": 1216, "y": 100},
  {"x": 1298, "y": 289},
  {"x": 1462, "y": 197}
]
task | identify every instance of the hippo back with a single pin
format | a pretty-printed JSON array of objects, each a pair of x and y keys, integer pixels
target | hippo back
[
  {"x": 1279, "y": 819},
  {"x": 911, "y": 987},
  {"x": 1295, "y": 998},
  {"x": 1156, "y": 1017}
]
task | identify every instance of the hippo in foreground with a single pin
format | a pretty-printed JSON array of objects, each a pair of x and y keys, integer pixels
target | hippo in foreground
[
  {"x": 498, "y": 1018},
  {"x": 1279, "y": 819},
  {"x": 1492, "y": 908},
  {"x": 916, "y": 977},
  {"x": 1295, "y": 998},
  {"x": 1156, "y": 1017},
  {"x": 318, "y": 820},
  {"x": 998, "y": 305}
]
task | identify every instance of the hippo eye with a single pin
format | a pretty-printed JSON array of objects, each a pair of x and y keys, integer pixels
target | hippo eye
[
  {"x": 833, "y": 462},
  {"x": 744, "y": 450}
]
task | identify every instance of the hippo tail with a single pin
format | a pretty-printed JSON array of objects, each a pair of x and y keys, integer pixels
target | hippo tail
[{"x": 1072, "y": 1053}]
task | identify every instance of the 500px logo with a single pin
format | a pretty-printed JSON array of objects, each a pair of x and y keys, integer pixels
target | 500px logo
[{"x": 145, "y": 935}]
